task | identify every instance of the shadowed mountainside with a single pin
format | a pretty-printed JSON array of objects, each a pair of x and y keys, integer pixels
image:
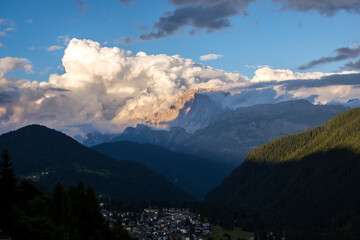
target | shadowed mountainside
[
  {"x": 48, "y": 156},
  {"x": 195, "y": 175}
]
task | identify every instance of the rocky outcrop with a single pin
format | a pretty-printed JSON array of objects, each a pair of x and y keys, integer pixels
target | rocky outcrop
[{"x": 192, "y": 111}]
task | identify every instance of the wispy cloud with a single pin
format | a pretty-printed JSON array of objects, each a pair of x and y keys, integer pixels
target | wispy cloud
[
  {"x": 64, "y": 38},
  {"x": 126, "y": 2},
  {"x": 328, "y": 7},
  {"x": 83, "y": 8},
  {"x": 10, "y": 29},
  {"x": 54, "y": 48},
  {"x": 73, "y": 20},
  {"x": 124, "y": 40},
  {"x": 353, "y": 65},
  {"x": 45, "y": 71},
  {"x": 210, "y": 57},
  {"x": 6, "y": 22},
  {"x": 30, "y": 21},
  {"x": 1, "y": 45},
  {"x": 341, "y": 54}
]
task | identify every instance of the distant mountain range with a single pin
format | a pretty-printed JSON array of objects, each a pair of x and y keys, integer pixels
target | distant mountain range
[
  {"x": 235, "y": 133},
  {"x": 195, "y": 175},
  {"x": 48, "y": 156},
  {"x": 308, "y": 181},
  {"x": 229, "y": 136}
]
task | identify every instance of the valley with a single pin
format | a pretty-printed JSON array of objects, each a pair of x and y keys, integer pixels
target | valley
[{"x": 305, "y": 174}]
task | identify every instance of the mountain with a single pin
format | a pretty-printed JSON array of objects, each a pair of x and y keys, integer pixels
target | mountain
[
  {"x": 172, "y": 139},
  {"x": 235, "y": 133},
  {"x": 192, "y": 111},
  {"x": 195, "y": 175},
  {"x": 94, "y": 138},
  {"x": 353, "y": 103},
  {"x": 49, "y": 156},
  {"x": 308, "y": 181}
]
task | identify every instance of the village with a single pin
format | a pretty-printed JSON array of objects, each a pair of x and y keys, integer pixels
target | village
[{"x": 163, "y": 224}]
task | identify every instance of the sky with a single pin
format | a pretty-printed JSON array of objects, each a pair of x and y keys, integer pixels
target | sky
[{"x": 81, "y": 65}]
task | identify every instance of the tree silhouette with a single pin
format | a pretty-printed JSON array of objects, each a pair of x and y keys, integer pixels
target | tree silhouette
[{"x": 8, "y": 191}]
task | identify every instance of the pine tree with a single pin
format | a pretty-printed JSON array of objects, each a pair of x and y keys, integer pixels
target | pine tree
[
  {"x": 7, "y": 173},
  {"x": 59, "y": 209},
  {"x": 8, "y": 191}
]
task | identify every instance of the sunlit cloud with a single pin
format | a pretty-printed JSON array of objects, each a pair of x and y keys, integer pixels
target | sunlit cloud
[
  {"x": 9, "y": 64},
  {"x": 107, "y": 89}
]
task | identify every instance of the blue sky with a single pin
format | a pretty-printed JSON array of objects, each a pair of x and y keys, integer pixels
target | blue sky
[
  {"x": 268, "y": 35},
  {"x": 66, "y": 64}
]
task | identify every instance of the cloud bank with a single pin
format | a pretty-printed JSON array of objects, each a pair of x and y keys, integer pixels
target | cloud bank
[
  {"x": 267, "y": 74},
  {"x": 108, "y": 89}
]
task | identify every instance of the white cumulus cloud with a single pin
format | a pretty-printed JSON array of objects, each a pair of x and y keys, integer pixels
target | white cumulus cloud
[
  {"x": 110, "y": 88},
  {"x": 129, "y": 86},
  {"x": 107, "y": 89}
]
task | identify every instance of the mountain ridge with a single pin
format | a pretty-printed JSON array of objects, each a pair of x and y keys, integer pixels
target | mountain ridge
[
  {"x": 54, "y": 157},
  {"x": 234, "y": 133}
]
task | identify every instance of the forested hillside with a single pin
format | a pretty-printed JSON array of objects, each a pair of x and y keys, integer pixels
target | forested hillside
[{"x": 308, "y": 181}]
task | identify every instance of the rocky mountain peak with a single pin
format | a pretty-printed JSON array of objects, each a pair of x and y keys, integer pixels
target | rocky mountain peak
[{"x": 189, "y": 105}]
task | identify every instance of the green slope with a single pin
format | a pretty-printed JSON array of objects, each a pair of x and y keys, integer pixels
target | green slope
[
  {"x": 343, "y": 131},
  {"x": 49, "y": 156},
  {"x": 308, "y": 182}
]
